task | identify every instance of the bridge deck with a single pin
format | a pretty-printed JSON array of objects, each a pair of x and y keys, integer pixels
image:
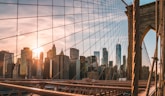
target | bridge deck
[{"x": 72, "y": 87}]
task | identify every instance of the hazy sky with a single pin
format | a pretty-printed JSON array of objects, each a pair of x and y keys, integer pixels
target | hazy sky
[{"x": 107, "y": 31}]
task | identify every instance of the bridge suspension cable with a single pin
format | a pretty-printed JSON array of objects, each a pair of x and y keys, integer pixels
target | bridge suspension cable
[
  {"x": 145, "y": 56},
  {"x": 93, "y": 16}
]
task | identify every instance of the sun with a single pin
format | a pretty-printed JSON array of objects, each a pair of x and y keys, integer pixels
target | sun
[{"x": 36, "y": 52}]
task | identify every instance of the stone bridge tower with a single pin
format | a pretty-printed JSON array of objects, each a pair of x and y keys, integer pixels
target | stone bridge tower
[
  {"x": 147, "y": 22},
  {"x": 140, "y": 21}
]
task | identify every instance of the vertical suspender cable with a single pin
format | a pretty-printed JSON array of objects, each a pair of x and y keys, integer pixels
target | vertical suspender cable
[
  {"x": 37, "y": 25},
  {"x": 93, "y": 9},
  {"x": 74, "y": 29},
  {"x": 74, "y": 23},
  {"x": 17, "y": 34},
  {"x": 82, "y": 26},
  {"x": 65, "y": 26},
  {"x": 52, "y": 23},
  {"x": 89, "y": 26}
]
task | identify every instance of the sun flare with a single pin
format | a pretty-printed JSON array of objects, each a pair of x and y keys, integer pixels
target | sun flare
[{"x": 38, "y": 51}]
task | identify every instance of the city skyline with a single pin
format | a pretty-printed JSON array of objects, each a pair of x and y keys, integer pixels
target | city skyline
[
  {"x": 49, "y": 53},
  {"x": 36, "y": 54},
  {"x": 59, "y": 32},
  {"x": 55, "y": 66}
]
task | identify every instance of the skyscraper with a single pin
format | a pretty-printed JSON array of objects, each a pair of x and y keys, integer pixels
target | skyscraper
[
  {"x": 97, "y": 54},
  {"x": 40, "y": 65},
  {"x": 124, "y": 63},
  {"x": 46, "y": 73},
  {"x": 92, "y": 63},
  {"x": 16, "y": 70},
  {"x": 118, "y": 56},
  {"x": 83, "y": 67},
  {"x": 53, "y": 50},
  {"x": 105, "y": 57},
  {"x": 60, "y": 66},
  {"x": 37, "y": 67},
  {"x": 74, "y": 56},
  {"x": 78, "y": 70},
  {"x": 111, "y": 64},
  {"x": 74, "y": 53},
  {"x": 51, "y": 54},
  {"x": 26, "y": 63},
  {"x": 6, "y": 64}
]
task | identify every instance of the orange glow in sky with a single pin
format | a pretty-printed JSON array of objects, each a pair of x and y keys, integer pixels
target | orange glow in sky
[{"x": 36, "y": 52}]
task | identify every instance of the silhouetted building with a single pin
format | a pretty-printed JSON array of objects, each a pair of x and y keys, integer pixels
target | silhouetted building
[
  {"x": 92, "y": 63},
  {"x": 6, "y": 64},
  {"x": 72, "y": 67},
  {"x": 60, "y": 66},
  {"x": 37, "y": 67},
  {"x": 110, "y": 63},
  {"x": 115, "y": 73},
  {"x": 83, "y": 67},
  {"x": 105, "y": 57},
  {"x": 145, "y": 73},
  {"x": 118, "y": 56},
  {"x": 26, "y": 63},
  {"x": 16, "y": 70},
  {"x": 97, "y": 54},
  {"x": 47, "y": 67},
  {"x": 40, "y": 66},
  {"x": 52, "y": 52},
  {"x": 74, "y": 56},
  {"x": 124, "y": 63},
  {"x": 122, "y": 71},
  {"x": 34, "y": 68},
  {"x": 108, "y": 73},
  {"x": 101, "y": 71},
  {"x": 46, "y": 73},
  {"x": 78, "y": 70}
]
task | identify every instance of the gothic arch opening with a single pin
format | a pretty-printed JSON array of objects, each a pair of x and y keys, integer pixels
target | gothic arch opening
[
  {"x": 148, "y": 49},
  {"x": 145, "y": 32}
]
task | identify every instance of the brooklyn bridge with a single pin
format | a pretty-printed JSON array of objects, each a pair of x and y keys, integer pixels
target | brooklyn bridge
[{"x": 82, "y": 47}]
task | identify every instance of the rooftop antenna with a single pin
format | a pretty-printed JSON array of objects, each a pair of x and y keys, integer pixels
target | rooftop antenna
[{"x": 118, "y": 41}]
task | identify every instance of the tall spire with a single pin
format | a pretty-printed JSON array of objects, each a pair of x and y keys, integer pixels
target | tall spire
[
  {"x": 118, "y": 41},
  {"x": 54, "y": 50},
  {"x": 54, "y": 47},
  {"x": 62, "y": 53}
]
